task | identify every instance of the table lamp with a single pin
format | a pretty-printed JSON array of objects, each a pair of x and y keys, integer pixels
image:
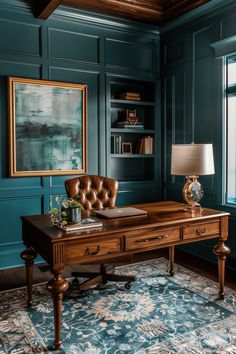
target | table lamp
[{"x": 191, "y": 161}]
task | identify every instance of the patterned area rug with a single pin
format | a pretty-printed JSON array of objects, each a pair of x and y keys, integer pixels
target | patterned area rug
[{"x": 159, "y": 314}]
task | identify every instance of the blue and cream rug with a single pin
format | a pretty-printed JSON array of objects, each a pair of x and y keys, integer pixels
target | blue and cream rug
[{"x": 158, "y": 315}]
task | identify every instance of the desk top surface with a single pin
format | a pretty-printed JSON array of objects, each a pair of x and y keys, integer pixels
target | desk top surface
[{"x": 159, "y": 214}]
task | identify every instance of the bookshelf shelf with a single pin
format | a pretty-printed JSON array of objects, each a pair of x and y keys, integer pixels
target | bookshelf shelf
[
  {"x": 140, "y": 163},
  {"x": 132, "y": 131},
  {"x": 130, "y": 103},
  {"x": 140, "y": 156}
]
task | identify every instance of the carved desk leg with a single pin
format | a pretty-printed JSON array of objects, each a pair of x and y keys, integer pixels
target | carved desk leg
[
  {"x": 171, "y": 260},
  {"x": 221, "y": 250},
  {"x": 57, "y": 286},
  {"x": 28, "y": 256}
]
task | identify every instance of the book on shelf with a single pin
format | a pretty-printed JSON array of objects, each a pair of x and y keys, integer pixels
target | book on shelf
[
  {"x": 130, "y": 96},
  {"x": 129, "y": 93},
  {"x": 130, "y": 126},
  {"x": 130, "y": 123},
  {"x": 148, "y": 145},
  {"x": 83, "y": 225},
  {"x": 116, "y": 144},
  {"x": 144, "y": 145},
  {"x": 139, "y": 147}
]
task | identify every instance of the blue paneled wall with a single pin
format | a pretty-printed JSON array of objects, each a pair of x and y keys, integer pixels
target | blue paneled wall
[
  {"x": 79, "y": 47},
  {"x": 75, "y": 47},
  {"x": 193, "y": 99}
]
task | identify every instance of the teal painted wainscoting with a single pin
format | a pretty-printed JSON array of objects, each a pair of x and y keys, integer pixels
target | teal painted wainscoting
[
  {"x": 76, "y": 47},
  {"x": 193, "y": 99}
]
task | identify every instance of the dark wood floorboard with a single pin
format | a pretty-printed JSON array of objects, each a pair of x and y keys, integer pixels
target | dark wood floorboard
[{"x": 15, "y": 277}]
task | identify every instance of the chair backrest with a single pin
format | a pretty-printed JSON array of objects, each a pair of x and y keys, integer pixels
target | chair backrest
[{"x": 94, "y": 192}]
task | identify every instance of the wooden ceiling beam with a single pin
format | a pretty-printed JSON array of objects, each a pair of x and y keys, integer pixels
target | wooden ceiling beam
[
  {"x": 180, "y": 7},
  {"x": 169, "y": 4},
  {"x": 149, "y": 11},
  {"x": 145, "y": 6},
  {"x": 137, "y": 10},
  {"x": 44, "y": 8}
]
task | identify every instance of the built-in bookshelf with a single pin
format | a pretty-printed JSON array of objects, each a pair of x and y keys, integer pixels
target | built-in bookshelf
[{"x": 131, "y": 130}]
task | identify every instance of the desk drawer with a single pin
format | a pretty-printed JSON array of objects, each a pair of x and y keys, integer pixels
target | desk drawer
[
  {"x": 201, "y": 230},
  {"x": 93, "y": 249},
  {"x": 151, "y": 239}
]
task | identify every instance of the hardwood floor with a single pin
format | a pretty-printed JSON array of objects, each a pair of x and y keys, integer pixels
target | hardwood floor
[{"x": 15, "y": 277}]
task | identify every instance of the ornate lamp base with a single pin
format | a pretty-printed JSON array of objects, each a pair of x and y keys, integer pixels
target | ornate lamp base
[
  {"x": 192, "y": 194},
  {"x": 195, "y": 209}
]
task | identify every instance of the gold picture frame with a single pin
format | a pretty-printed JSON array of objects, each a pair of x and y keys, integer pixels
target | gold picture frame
[
  {"x": 126, "y": 148},
  {"x": 131, "y": 114},
  {"x": 47, "y": 127}
]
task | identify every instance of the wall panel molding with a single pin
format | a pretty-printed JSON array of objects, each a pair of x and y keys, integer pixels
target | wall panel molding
[
  {"x": 201, "y": 42},
  {"x": 93, "y": 19},
  {"x": 202, "y": 98},
  {"x": 227, "y": 26},
  {"x": 15, "y": 5},
  {"x": 67, "y": 45},
  {"x": 27, "y": 36},
  {"x": 173, "y": 51},
  {"x": 20, "y": 69},
  {"x": 11, "y": 209},
  {"x": 224, "y": 47},
  {"x": 121, "y": 53}
]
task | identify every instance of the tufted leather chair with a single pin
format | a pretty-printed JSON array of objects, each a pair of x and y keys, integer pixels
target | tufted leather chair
[{"x": 95, "y": 192}]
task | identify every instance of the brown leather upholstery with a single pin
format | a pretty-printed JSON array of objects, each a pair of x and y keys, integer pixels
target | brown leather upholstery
[{"x": 94, "y": 192}]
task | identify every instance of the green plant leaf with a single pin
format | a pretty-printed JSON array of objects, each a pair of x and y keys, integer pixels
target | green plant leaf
[{"x": 54, "y": 211}]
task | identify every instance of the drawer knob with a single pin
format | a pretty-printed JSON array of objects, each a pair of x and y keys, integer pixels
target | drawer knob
[
  {"x": 201, "y": 231},
  {"x": 93, "y": 253},
  {"x": 161, "y": 237}
]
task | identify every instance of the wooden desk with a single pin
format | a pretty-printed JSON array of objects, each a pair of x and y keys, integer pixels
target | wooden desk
[{"x": 165, "y": 225}]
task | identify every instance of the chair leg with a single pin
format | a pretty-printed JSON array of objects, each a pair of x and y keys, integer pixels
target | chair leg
[
  {"x": 84, "y": 274},
  {"x": 127, "y": 278},
  {"x": 88, "y": 283},
  {"x": 80, "y": 286},
  {"x": 118, "y": 277},
  {"x": 99, "y": 278}
]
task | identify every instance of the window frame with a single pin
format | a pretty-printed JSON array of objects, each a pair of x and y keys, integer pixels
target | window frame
[{"x": 229, "y": 91}]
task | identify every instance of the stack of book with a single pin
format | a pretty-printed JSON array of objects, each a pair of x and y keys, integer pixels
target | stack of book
[
  {"x": 130, "y": 121},
  {"x": 127, "y": 124},
  {"x": 133, "y": 120},
  {"x": 133, "y": 96},
  {"x": 84, "y": 224},
  {"x": 144, "y": 145}
]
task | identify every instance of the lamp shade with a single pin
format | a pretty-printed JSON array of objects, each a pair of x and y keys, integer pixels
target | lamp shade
[{"x": 192, "y": 159}]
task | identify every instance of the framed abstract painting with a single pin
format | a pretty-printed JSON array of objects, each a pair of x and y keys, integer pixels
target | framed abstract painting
[{"x": 47, "y": 127}]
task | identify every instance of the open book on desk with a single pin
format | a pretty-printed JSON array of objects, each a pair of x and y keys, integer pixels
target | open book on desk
[{"x": 84, "y": 224}]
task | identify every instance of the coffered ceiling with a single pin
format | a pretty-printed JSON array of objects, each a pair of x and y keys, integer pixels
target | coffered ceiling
[{"x": 154, "y": 12}]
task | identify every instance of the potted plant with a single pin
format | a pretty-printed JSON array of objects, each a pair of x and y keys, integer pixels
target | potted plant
[
  {"x": 72, "y": 208},
  {"x": 68, "y": 211}
]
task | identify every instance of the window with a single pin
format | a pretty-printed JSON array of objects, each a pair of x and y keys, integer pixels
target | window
[{"x": 230, "y": 125}]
